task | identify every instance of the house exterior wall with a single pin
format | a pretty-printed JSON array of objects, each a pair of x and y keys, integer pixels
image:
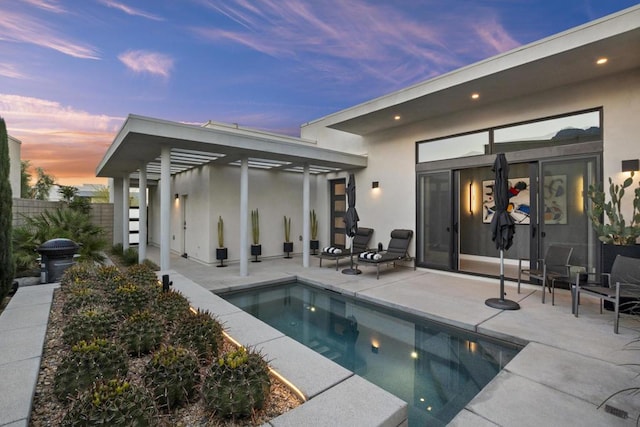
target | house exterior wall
[{"x": 14, "y": 166}]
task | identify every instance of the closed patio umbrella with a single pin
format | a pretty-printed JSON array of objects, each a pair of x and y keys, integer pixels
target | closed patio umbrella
[
  {"x": 502, "y": 227},
  {"x": 351, "y": 220}
]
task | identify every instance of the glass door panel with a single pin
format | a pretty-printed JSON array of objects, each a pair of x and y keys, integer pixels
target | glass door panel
[
  {"x": 338, "y": 209},
  {"x": 435, "y": 240}
]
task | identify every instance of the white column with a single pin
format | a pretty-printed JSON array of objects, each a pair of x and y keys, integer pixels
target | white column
[
  {"x": 305, "y": 217},
  {"x": 244, "y": 217},
  {"x": 125, "y": 212},
  {"x": 165, "y": 207},
  {"x": 116, "y": 198},
  {"x": 142, "y": 217}
]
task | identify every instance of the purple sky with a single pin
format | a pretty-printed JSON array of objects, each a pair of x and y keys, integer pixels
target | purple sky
[{"x": 71, "y": 70}]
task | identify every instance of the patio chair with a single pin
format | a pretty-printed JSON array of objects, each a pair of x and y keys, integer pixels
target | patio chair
[
  {"x": 398, "y": 250},
  {"x": 554, "y": 266},
  {"x": 360, "y": 244},
  {"x": 622, "y": 282}
]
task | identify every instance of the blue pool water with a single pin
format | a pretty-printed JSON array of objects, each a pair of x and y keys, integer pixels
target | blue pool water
[{"x": 436, "y": 369}]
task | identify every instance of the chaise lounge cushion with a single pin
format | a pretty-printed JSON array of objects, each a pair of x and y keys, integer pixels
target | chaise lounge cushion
[{"x": 331, "y": 250}]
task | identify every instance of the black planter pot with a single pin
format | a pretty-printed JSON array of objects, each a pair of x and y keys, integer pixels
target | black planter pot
[
  {"x": 609, "y": 253},
  {"x": 314, "y": 245},
  {"x": 221, "y": 255},
  {"x": 256, "y": 250},
  {"x": 288, "y": 248}
]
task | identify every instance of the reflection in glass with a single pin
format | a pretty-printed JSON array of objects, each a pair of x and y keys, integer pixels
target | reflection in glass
[{"x": 472, "y": 144}]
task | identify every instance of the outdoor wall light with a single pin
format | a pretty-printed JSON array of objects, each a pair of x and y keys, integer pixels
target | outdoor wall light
[
  {"x": 471, "y": 197},
  {"x": 177, "y": 196},
  {"x": 374, "y": 349},
  {"x": 630, "y": 165},
  {"x": 375, "y": 184}
]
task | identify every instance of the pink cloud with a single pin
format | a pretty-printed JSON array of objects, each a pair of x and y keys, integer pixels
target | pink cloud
[{"x": 141, "y": 61}]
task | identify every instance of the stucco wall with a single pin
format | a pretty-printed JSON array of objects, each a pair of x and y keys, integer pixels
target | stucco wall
[{"x": 14, "y": 165}]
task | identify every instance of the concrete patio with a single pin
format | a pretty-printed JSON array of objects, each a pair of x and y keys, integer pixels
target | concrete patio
[{"x": 568, "y": 367}]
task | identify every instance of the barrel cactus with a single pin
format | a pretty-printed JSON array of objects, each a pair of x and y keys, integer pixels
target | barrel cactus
[
  {"x": 237, "y": 384},
  {"x": 87, "y": 362},
  {"x": 81, "y": 295},
  {"x": 201, "y": 333},
  {"x": 78, "y": 272},
  {"x": 172, "y": 306},
  {"x": 143, "y": 275},
  {"x": 109, "y": 277},
  {"x": 112, "y": 402},
  {"x": 88, "y": 323},
  {"x": 141, "y": 333},
  {"x": 129, "y": 298},
  {"x": 172, "y": 374}
]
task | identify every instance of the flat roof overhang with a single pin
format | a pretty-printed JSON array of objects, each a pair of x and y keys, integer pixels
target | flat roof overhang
[
  {"x": 140, "y": 141},
  {"x": 560, "y": 60}
]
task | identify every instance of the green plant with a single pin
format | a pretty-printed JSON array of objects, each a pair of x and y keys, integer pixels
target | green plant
[
  {"x": 255, "y": 226},
  {"x": 130, "y": 256},
  {"x": 172, "y": 306},
  {"x": 141, "y": 333},
  {"x": 129, "y": 298},
  {"x": 200, "y": 332},
  {"x": 287, "y": 229},
  {"x": 237, "y": 384},
  {"x": 112, "y": 402},
  {"x": 143, "y": 275},
  {"x": 617, "y": 231},
  {"x": 109, "y": 277},
  {"x": 88, "y": 361},
  {"x": 89, "y": 323},
  {"x": 7, "y": 266},
  {"x": 313, "y": 223},
  {"x": 81, "y": 296},
  {"x": 117, "y": 249},
  {"x": 78, "y": 272},
  {"x": 220, "y": 232},
  {"x": 172, "y": 374}
]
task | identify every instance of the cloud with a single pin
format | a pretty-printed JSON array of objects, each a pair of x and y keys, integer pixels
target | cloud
[
  {"x": 66, "y": 142},
  {"x": 48, "y": 5},
  {"x": 20, "y": 28},
  {"x": 10, "y": 70},
  {"x": 142, "y": 61},
  {"x": 130, "y": 10}
]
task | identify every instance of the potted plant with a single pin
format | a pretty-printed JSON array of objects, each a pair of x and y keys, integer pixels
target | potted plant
[
  {"x": 288, "y": 244},
  {"x": 221, "y": 251},
  {"x": 256, "y": 247},
  {"x": 314, "y": 244}
]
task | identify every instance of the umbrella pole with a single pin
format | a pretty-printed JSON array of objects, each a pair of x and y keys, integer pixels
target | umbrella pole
[
  {"x": 351, "y": 270},
  {"x": 501, "y": 303}
]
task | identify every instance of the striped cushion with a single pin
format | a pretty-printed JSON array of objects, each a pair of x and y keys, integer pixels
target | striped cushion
[
  {"x": 332, "y": 250},
  {"x": 370, "y": 255}
]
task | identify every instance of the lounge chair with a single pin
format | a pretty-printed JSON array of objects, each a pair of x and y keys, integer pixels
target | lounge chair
[
  {"x": 360, "y": 244},
  {"x": 554, "y": 266},
  {"x": 398, "y": 250},
  {"x": 623, "y": 281}
]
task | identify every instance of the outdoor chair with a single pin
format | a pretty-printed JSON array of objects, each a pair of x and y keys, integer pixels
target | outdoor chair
[
  {"x": 396, "y": 251},
  {"x": 359, "y": 244},
  {"x": 554, "y": 266},
  {"x": 622, "y": 282}
]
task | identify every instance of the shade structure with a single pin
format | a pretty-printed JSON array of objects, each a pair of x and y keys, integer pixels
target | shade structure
[
  {"x": 351, "y": 220},
  {"x": 502, "y": 227}
]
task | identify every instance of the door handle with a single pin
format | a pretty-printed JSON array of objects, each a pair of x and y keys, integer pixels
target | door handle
[{"x": 533, "y": 231}]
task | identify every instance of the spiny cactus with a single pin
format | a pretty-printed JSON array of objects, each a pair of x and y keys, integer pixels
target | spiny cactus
[
  {"x": 80, "y": 295},
  {"x": 201, "y": 333},
  {"x": 141, "y": 333},
  {"x": 172, "y": 306},
  {"x": 172, "y": 374},
  {"x": 77, "y": 272},
  {"x": 129, "y": 298},
  {"x": 94, "y": 322},
  {"x": 88, "y": 361},
  {"x": 110, "y": 403},
  {"x": 236, "y": 384},
  {"x": 108, "y": 278},
  {"x": 142, "y": 275}
]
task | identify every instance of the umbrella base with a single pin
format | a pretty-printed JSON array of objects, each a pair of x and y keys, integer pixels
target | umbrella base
[
  {"x": 502, "y": 304},
  {"x": 351, "y": 271}
]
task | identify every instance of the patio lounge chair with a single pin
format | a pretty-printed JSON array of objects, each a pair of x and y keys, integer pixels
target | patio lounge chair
[
  {"x": 360, "y": 244},
  {"x": 554, "y": 266},
  {"x": 622, "y": 282},
  {"x": 398, "y": 250}
]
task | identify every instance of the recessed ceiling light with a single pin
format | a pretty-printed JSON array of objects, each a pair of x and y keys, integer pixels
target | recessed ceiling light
[
  {"x": 475, "y": 95},
  {"x": 396, "y": 117},
  {"x": 601, "y": 61}
]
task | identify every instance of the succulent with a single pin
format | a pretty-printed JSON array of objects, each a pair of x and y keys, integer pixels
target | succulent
[
  {"x": 141, "y": 333},
  {"x": 129, "y": 298},
  {"x": 77, "y": 272},
  {"x": 201, "y": 333},
  {"x": 88, "y": 361},
  {"x": 172, "y": 374},
  {"x": 172, "y": 306},
  {"x": 236, "y": 384},
  {"x": 114, "y": 402},
  {"x": 95, "y": 322},
  {"x": 81, "y": 295},
  {"x": 108, "y": 278},
  {"x": 142, "y": 275}
]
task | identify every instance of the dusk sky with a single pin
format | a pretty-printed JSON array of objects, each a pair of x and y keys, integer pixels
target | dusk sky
[{"x": 72, "y": 70}]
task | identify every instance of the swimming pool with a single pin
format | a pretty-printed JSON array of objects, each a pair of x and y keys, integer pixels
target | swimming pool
[{"x": 435, "y": 368}]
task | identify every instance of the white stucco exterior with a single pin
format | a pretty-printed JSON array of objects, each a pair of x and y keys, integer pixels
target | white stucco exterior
[{"x": 14, "y": 165}]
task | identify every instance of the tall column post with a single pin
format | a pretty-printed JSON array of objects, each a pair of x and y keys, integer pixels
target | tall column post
[
  {"x": 125, "y": 212},
  {"x": 165, "y": 207},
  {"x": 244, "y": 217},
  {"x": 142, "y": 217},
  {"x": 305, "y": 217},
  {"x": 115, "y": 196}
]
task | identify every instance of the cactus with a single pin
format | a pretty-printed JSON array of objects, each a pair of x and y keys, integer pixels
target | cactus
[
  {"x": 142, "y": 275},
  {"x": 220, "y": 232},
  {"x": 88, "y": 361},
  {"x": 79, "y": 296},
  {"x": 77, "y": 272},
  {"x": 96, "y": 322},
  {"x": 201, "y": 333},
  {"x": 108, "y": 278},
  {"x": 130, "y": 298},
  {"x": 255, "y": 226},
  {"x": 313, "y": 223},
  {"x": 237, "y": 384},
  {"x": 172, "y": 374},
  {"x": 287, "y": 229},
  {"x": 141, "y": 333},
  {"x": 172, "y": 306},
  {"x": 112, "y": 402}
]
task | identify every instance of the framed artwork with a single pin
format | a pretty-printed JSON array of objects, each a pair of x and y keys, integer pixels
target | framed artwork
[
  {"x": 519, "y": 201},
  {"x": 555, "y": 199}
]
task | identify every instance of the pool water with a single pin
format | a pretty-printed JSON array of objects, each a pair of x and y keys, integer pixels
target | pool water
[{"x": 436, "y": 369}]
